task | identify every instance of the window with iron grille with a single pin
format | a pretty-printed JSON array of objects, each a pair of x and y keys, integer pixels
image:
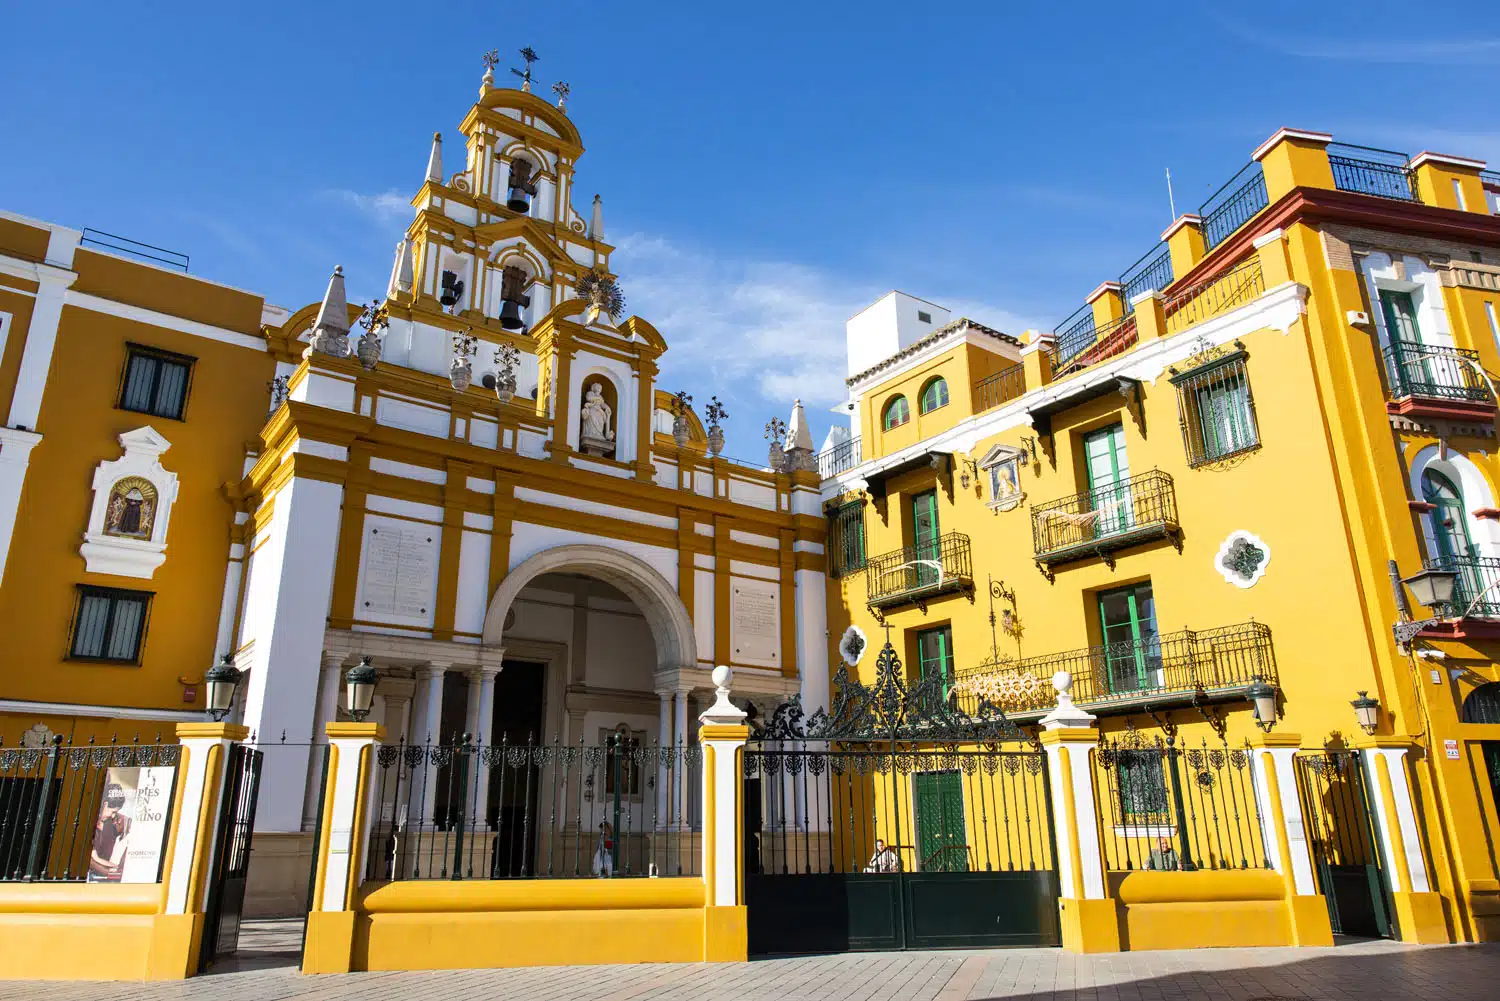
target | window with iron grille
[
  {"x": 846, "y": 539},
  {"x": 1143, "y": 786},
  {"x": 156, "y": 382},
  {"x": 109, "y": 624},
  {"x": 1217, "y": 410}
]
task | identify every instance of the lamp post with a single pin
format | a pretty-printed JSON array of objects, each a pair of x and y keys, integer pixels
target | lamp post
[
  {"x": 359, "y": 689},
  {"x": 1367, "y": 710},
  {"x": 222, "y": 679},
  {"x": 1432, "y": 588},
  {"x": 1263, "y": 701}
]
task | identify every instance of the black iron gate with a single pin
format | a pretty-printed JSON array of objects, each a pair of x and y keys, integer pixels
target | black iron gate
[
  {"x": 231, "y": 858},
  {"x": 1344, "y": 842},
  {"x": 897, "y": 820}
]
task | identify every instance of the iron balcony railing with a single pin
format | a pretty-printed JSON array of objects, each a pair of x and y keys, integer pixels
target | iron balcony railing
[
  {"x": 1101, "y": 520},
  {"x": 1153, "y": 271},
  {"x": 1221, "y": 662},
  {"x": 917, "y": 572},
  {"x": 1435, "y": 372},
  {"x": 1219, "y": 294},
  {"x": 1092, "y": 346},
  {"x": 840, "y": 458},
  {"x": 1476, "y": 591},
  {"x": 1369, "y": 171},
  {"x": 1236, "y": 203},
  {"x": 1002, "y": 387}
]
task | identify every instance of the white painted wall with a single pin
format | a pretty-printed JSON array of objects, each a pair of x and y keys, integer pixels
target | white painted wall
[{"x": 887, "y": 326}]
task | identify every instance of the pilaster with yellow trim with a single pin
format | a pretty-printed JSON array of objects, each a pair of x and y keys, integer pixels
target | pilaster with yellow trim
[
  {"x": 1285, "y": 834},
  {"x": 347, "y": 816},
  {"x": 723, "y": 734},
  {"x": 1418, "y": 909}
]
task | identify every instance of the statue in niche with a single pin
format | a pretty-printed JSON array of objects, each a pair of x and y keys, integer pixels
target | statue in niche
[
  {"x": 596, "y": 436},
  {"x": 131, "y": 512}
]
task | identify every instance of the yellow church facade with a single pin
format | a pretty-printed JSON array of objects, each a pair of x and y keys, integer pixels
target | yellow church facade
[{"x": 1127, "y": 596}]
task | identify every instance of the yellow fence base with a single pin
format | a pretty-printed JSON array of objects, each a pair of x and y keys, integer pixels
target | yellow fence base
[
  {"x": 725, "y": 935},
  {"x": 1310, "y": 924},
  {"x": 1206, "y": 909},
  {"x": 1089, "y": 925},
  {"x": 329, "y": 942},
  {"x": 1420, "y": 918},
  {"x": 89, "y": 931}
]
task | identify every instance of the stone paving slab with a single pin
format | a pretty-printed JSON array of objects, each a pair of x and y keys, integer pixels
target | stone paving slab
[{"x": 1363, "y": 970}]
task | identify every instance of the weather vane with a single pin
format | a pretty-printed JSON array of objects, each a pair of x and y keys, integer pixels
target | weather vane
[
  {"x": 491, "y": 59},
  {"x": 528, "y": 54},
  {"x": 562, "y": 90}
]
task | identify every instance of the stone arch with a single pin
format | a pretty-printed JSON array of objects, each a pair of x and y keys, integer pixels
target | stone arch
[
  {"x": 1472, "y": 484},
  {"x": 671, "y": 628}
]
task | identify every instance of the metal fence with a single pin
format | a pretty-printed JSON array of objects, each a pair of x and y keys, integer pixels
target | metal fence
[
  {"x": 1105, "y": 514},
  {"x": 945, "y": 562},
  {"x": 621, "y": 807},
  {"x": 1219, "y": 294},
  {"x": 1434, "y": 371},
  {"x": 1236, "y": 203},
  {"x": 1190, "y": 661},
  {"x": 885, "y": 809},
  {"x": 1002, "y": 387},
  {"x": 1371, "y": 171},
  {"x": 1102, "y": 342},
  {"x": 1174, "y": 809},
  {"x": 68, "y": 813},
  {"x": 134, "y": 248},
  {"x": 839, "y": 458},
  {"x": 1153, "y": 271}
]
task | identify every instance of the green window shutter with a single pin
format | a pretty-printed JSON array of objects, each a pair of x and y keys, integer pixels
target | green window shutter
[{"x": 935, "y": 655}]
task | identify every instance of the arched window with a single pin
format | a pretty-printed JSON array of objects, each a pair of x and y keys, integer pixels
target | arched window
[
  {"x": 1483, "y": 704},
  {"x": 897, "y": 413},
  {"x": 934, "y": 395},
  {"x": 1447, "y": 522}
]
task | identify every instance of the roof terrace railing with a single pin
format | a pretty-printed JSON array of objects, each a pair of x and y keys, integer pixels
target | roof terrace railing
[
  {"x": 1370, "y": 171},
  {"x": 1152, "y": 271},
  {"x": 838, "y": 458},
  {"x": 135, "y": 248},
  {"x": 1236, "y": 203},
  {"x": 1002, "y": 387},
  {"x": 1219, "y": 294}
]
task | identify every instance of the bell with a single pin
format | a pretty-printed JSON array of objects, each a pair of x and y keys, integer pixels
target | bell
[
  {"x": 518, "y": 200},
  {"x": 510, "y": 315},
  {"x": 453, "y": 289}
]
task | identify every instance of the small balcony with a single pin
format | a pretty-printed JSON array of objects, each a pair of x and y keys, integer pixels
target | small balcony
[
  {"x": 1475, "y": 612},
  {"x": 916, "y": 574},
  {"x": 1434, "y": 381},
  {"x": 839, "y": 459},
  {"x": 1188, "y": 668},
  {"x": 1103, "y": 521}
]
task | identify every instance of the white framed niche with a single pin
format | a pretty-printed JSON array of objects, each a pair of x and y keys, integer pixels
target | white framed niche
[{"x": 133, "y": 498}]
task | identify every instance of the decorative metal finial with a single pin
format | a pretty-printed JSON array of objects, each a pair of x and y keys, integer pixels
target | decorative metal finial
[
  {"x": 528, "y": 54},
  {"x": 491, "y": 59},
  {"x": 561, "y": 89}
]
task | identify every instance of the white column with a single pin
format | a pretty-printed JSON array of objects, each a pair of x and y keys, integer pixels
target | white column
[
  {"x": 812, "y": 665},
  {"x": 427, "y": 719},
  {"x": 680, "y": 744},
  {"x": 1291, "y": 810},
  {"x": 344, "y": 840},
  {"x": 723, "y": 734},
  {"x": 201, "y": 777},
  {"x": 41, "y": 339},
  {"x": 482, "y": 726},
  {"x": 229, "y": 604},
  {"x": 1405, "y": 819},
  {"x": 330, "y": 678},
  {"x": 15, "y": 457},
  {"x": 1069, "y": 727},
  {"x": 286, "y": 610},
  {"x": 664, "y": 739}
]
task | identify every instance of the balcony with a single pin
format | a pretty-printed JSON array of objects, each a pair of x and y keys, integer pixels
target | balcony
[
  {"x": 1369, "y": 171},
  {"x": 1188, "y": 668},
  {"x": 913, "y": 575},
  {"x": 1103, "y": 521},
  {"x": 1433, "y": 381},
  {"x": 1475, "y": 613},
  {"x": 839, "y": 459},
  {"x": 1002, "y": 387}
]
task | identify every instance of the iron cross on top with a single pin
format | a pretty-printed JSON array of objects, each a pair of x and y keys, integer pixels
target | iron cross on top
[{"x": 528, "y": 54}]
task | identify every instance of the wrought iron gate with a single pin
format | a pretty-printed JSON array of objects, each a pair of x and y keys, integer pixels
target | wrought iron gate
[
  {"x": 896, "y": 820},
  {"x": 231, "y": 858},
  {"x": 1344, "y": 842}
]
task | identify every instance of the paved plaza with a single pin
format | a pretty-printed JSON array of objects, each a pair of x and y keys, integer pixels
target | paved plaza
[{"x": 1363, "y": 970}]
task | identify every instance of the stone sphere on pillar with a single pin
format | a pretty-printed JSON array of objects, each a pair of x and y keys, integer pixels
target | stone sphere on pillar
[
  {"x": 722, "y": 676},
  {"x": 1062, "y": 681}
]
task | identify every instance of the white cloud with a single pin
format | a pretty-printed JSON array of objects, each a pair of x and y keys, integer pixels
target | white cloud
[
  {"x": 384, "y": 207},
  {"x": 774, "y": 328}
]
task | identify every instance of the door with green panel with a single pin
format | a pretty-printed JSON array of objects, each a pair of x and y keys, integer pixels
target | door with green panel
[
  {"x": 935, "y": 655},
  {"x": 1108, "y": 473},
  {"x": 941, "y": 844},
  {"x": 1411, "y": 372},
  {"x": 1448, "y": 540},
  {"x": 1132, "y": 649},
  {"x": 926, "y": 534}
]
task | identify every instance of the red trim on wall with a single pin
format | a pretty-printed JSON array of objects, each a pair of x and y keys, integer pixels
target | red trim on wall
[{"x": 1441, "y": 410}]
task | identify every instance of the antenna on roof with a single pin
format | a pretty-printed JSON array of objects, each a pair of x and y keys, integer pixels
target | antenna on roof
[{"x": 1172, "y": 202}]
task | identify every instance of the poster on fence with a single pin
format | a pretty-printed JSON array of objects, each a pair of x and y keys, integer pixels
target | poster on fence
[{"x": 131, "y": 830}]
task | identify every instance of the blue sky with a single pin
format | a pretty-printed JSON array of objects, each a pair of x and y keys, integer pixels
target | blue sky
[{"x": 767, "y": 169}]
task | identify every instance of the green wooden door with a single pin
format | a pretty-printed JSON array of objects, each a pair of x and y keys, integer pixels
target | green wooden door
[
  {"x": 941, "y": 845},
  {"x": 935, "y": 655},
  {"x": 925, "y": 538},
  {"x": 1132, "y": 650},
  {"x": 1108, "y": 470},
  {"x": 1448, "y": 536},
  {"x": 1411, "y": 372}
]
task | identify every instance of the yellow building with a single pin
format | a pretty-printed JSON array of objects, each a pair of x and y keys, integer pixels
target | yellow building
[{"x": 1196, "y": 486}]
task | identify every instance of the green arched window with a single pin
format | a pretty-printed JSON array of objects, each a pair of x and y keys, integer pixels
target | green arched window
[
  {"x": 1448, "y": 530},
  {"x": 934, "y": 395},
  {"x": 897, "y": 413}
]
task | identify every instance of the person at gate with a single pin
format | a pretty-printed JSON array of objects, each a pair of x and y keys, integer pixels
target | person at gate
[
  {"x": 604, "y": 854},
  {"x": 1164, "y": 856},
  {"x": 884, "y": 860}
]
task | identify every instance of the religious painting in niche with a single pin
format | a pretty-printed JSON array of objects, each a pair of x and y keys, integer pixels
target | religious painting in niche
[
  {"x": 131, "y": 512},
  {"x": 1003, "y": 464}
]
